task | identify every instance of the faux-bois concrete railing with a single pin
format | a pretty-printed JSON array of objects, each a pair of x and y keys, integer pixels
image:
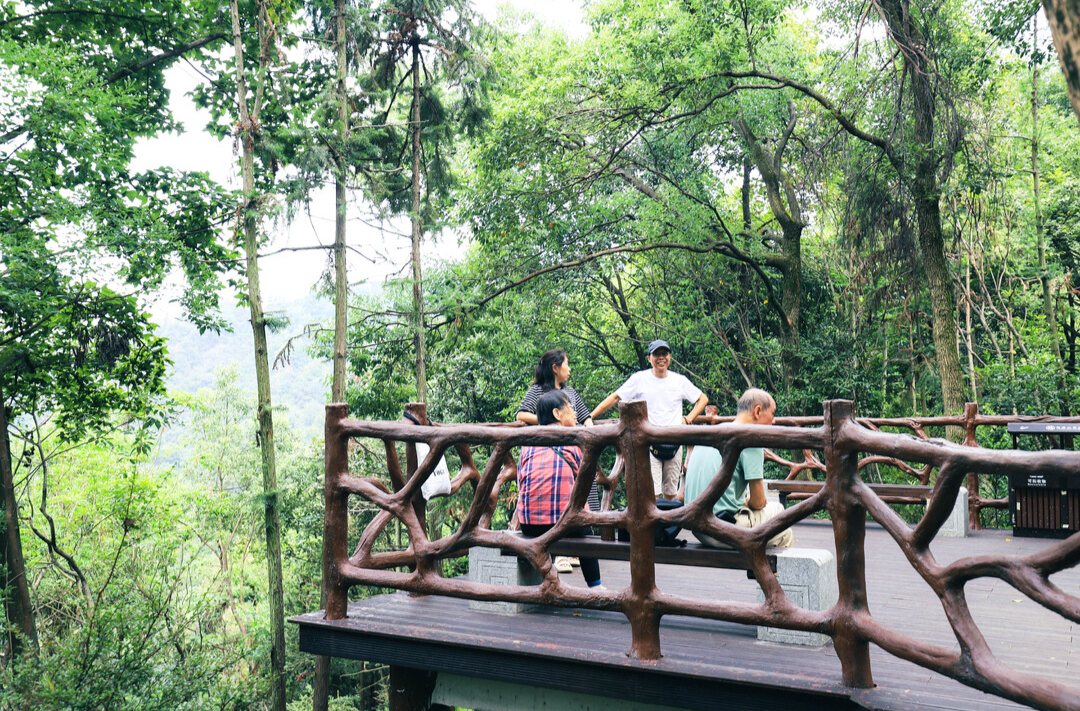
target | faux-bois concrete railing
[
  {"x": 844, "y": 495},
  {"x": 968, "y": 423}
]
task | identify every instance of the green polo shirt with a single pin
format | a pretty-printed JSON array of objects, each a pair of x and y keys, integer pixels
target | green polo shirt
[{"x": 704, "y": 465}]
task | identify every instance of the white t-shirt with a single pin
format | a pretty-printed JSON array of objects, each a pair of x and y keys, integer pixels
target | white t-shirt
[{"x": 663, "y": 396}]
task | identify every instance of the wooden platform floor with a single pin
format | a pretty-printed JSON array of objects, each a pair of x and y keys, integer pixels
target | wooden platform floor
[{"x": 1024, "y": 635}]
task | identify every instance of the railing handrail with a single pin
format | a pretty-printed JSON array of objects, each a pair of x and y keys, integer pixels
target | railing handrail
[{"x": 846, "y": 498}]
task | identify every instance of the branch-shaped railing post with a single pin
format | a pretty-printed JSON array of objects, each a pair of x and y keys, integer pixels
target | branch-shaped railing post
[
  {"x": 640, "y": 606},
  {"x": 971, "y": 425},
  {"x": 849, "y": 529},
  {"x": 336, "y": 518},
  {"x": 608, "y": 485},
  {"x": 419, "y": 411}
]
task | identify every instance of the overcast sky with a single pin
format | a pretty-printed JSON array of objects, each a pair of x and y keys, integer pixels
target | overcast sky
[{"x": 289, "y": 275}]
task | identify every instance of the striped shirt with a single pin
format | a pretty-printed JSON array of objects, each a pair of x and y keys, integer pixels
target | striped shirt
[
  {"x": 532, "y": 396},
  {"x": 544, "y": 482}
]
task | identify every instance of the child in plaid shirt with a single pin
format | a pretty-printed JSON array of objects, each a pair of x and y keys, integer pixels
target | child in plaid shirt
[{"x": 546, "y": 478}]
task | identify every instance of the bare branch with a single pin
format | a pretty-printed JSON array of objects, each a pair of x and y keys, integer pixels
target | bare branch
[{"x": 174, "y": 52}]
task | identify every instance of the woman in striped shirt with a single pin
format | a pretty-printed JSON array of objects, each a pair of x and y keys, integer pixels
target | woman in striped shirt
[
  {"x": 552, "y": 372},
  {"x": 546, "y": 478}
]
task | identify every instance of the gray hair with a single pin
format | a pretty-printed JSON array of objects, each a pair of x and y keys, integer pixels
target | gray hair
[{"x": 754, "y": 397}]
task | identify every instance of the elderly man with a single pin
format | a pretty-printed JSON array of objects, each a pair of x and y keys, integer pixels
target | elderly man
[
  {"x": 663, "y": 392},
  {"x": 756, "y": 407}
]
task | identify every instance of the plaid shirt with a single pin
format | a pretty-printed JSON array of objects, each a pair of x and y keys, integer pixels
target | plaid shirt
[{"x": 544, "y": 483}]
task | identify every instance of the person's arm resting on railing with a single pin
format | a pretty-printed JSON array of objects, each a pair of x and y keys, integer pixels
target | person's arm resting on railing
[
  {"x": 699, "y": 407},
  {"x": 608, "y": 403}
]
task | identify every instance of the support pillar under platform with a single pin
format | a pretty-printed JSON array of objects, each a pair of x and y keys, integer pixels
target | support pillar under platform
[{"x": 411, "y": 690}]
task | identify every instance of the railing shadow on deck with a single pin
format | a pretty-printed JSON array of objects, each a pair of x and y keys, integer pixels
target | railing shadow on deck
[{"x": 844, "y": 496}]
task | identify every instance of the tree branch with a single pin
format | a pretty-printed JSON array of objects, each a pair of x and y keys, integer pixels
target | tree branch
[
  {"x": 175, "y": 52},
  {"x": 847, "y": 123},
  {"x": 720, "y": 246}
]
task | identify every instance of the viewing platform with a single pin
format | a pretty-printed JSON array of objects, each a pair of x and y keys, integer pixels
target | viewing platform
[
  {"x": 565, "y": 650},
  {"x": 866, "y": 610}
]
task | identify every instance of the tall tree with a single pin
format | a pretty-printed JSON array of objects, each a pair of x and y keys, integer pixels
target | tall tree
[
  {"x": 249, "y": 108},
  {"x": 431, "y": 46},
  {"x": 786, "y": 208},
  {"x": 321, "y": 693},
  {"x": 924, "y": 164},
  {"x": 1049, "y": 309},
  {"x": 927, "y": 132},
  {"x": 1064, "y": 18},
  {"x": 82, "y": 92},
  {"x": 613, "y": 146},
  {"x": 341, "y": 280}
]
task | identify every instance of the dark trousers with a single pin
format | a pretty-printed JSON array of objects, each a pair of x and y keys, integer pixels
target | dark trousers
[{"x": 590, "y": 568}]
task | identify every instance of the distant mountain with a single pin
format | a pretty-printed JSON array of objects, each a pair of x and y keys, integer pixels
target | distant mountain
[{"x": 300, "y": 387}]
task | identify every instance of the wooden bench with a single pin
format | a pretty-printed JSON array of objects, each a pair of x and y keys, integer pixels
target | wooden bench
[
  {"x": 694, "y": 554},
  {"x": 956, "y": 526},
  {"x": 890, "y": 493},
  {"x": 808, "y": 576}
]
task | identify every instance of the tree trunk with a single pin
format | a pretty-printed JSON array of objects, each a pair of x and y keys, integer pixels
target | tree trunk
[
  {"x": 922, "y": 179},
  {"x": 969, "y": 334},
  {"x": 1040, "y": 233},
  {"x": 785, "y": 207},
  {"x": 791, "y": 303},
  {"x": 417, "y": 233},
  {"x": 943, "y": 308},
  {"x": 17, "y": 605},
  {"x": 320, "y": 697},
  {"x": 1071, "y": 331},
  {"x": 622, "y": 309},
  {"x": 747, "y": 221},
  {"x": 341, "y": 283},
  {"x": 250, "y": 211},
  {"x": 1064, "y": 19}
]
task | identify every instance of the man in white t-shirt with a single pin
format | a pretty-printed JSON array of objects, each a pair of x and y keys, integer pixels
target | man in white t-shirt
[{"x": 663, "y": 393}]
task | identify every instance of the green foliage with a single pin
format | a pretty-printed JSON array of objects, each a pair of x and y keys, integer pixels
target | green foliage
[
  {"x": 69, "y": 139},
  {"x": 150, "y": 582},
  {"x": 129, "y": 637},
  {"x": 82, "y": 238}
]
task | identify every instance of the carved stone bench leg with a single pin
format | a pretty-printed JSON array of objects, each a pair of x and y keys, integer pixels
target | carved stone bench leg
[
  {"x": 956, "y": 526},
  {"x": 808, "y": 577},
  {"x": 490, "y": 566}
]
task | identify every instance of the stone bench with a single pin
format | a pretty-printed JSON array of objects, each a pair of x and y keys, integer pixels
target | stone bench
[{"x": 807, "y": 575}]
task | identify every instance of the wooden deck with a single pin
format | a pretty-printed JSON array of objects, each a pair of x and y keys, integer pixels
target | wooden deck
[{"x": 705, "y": 660}]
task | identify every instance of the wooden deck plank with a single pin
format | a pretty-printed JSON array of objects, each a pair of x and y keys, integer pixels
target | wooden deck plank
[{"x": 1025, "y": 636}]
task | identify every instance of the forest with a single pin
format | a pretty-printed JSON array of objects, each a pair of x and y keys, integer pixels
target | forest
[{"x": 876, "y": 201}]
